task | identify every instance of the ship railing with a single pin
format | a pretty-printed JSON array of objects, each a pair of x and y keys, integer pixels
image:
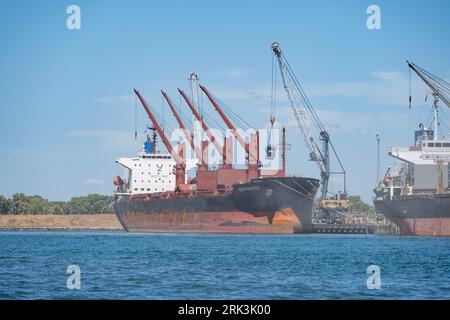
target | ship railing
[
  {"x": 181, "y": 194},
  {"x": 414, "y": 196}
]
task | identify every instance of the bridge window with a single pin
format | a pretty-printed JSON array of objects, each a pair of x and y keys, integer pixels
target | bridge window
[
  {"x": 430, "y": 144},
  {"x": 438, "y": 144},
  {"x": 446, "y": 145}
]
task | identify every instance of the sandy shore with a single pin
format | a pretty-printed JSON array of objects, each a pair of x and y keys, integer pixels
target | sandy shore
[{"x": 60, "y": 222}]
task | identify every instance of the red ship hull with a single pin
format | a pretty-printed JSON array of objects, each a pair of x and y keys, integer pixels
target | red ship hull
[
  {"x": 419, "y": 214},
  {"x": 268, "y": 205}
]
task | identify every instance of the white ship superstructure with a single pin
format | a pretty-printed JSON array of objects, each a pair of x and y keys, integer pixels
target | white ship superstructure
[
  {"x": 425, "y": 165},
  {"x": 149, "y": 173}
]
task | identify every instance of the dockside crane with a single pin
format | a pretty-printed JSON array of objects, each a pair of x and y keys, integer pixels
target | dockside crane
[
  {"x": 305, "y": 115},
  {"x": 439, "y": 88}
]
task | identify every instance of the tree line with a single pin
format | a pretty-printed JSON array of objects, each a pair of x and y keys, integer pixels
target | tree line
[
  {"x": 19, "y": 203},
  {"x": 356, "y": 205}
]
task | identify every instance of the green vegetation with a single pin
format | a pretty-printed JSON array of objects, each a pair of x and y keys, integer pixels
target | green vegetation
[
  {"x": 22, "y": 204},
  {"x": 356, "y": 205}
]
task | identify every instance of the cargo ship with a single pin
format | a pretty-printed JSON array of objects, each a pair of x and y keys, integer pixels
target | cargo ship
[
  {"x": 156, "y": 194},
  {"x": 416, "y": 195}
]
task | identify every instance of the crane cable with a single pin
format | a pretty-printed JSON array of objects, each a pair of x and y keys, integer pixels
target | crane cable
[
  {"x": 135, "y": 117},
  {"x": 410, "y": 95},
  {"x": 303, "y": 95},
  {"x": 232, "y": 115},
  {"x": 273, "y": 98},
  {"x": 306, "y": 102},
  {"x": 439, "y": 82}
]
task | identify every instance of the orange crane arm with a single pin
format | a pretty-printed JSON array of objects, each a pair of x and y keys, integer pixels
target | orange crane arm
[
  {"x": 186, "y": 132},
  {"x": 158, "y": 128},
  {"x": 199, "y": 118},
  {"x": 225, "y": 119}
]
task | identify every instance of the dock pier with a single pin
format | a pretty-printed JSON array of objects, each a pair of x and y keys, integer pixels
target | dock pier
[{"x": 353, "y": 229}]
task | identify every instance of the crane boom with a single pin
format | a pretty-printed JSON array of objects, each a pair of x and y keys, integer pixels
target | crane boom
[
  {"x": 305, "y": 115},
  {"x": 431, "y": 83},
  {"x": 158, "y": 128},
  {"x": 225, "y": 119},
  {"x": 299, "y": 113},
  {"x": 199, "y": 118},
  {"x": 183, "y": 128}
]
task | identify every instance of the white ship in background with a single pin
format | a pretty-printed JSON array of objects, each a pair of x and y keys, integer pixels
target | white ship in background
[{"x": 417, "y": 197}]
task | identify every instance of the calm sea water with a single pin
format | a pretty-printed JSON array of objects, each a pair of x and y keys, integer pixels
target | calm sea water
[{"x": 33, "y": 265}]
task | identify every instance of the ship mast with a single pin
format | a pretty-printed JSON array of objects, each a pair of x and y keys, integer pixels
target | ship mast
[
  {"x": 196, "y": 132},
  {"x": 193, "y": 78}
]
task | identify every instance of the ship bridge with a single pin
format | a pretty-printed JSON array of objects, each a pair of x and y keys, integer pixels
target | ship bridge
[
  {"x": 425, "y": 153},
  {"x": 149, "y": 173},
  {"x": 426, "y": 163}
]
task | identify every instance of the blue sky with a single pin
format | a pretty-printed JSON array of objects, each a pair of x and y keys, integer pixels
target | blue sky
[{"x": 66, "y": 104}]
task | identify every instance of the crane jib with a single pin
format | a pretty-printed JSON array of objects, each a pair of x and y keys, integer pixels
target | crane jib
[{"x": 303, "y": 110}]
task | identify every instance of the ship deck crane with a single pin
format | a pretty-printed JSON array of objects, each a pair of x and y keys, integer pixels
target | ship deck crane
[
  {"x": 180, "y": 163},
  {"x": 253, "y": 154},
  {"x": 439, "y": 88},
  {"x": 305, "y": 114},
  {"x": 205, "y": 128},
  {"x": 225, "y": 119},
  {"x": 186, "y": 132}
]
